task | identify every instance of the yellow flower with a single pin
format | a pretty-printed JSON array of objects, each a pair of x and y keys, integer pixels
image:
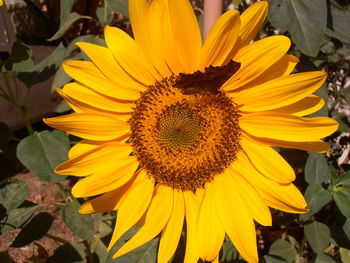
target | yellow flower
[
  {"x": 1, "y": 2},
  {"x": 176, "y": 132}
]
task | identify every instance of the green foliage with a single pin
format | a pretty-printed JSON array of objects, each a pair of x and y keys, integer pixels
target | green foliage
[
  {"x": 17, "y": 217},
  {"x": 68, "y": 22},
  {"x": 42, "y": 152},
  {"x": 305, "y": 20},
  {"x": 81, "y": 225},
  {"x": 12, "y": 193},
  {"x": 283, "y": 249},
  {"x": 20, "y": 59},
  {"x": 318, "y": 235}
]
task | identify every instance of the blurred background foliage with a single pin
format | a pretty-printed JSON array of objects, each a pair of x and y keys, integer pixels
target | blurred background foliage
[{"x": 51, "y": 229}]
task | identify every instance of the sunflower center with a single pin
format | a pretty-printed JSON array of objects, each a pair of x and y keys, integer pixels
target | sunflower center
[
  {"x": 184, "y": 138},
  {"x": 179, "y": 127}
]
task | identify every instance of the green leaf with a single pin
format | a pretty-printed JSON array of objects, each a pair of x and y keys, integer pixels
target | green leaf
[
  {"x": 66, "y": 8},
  {"x": 42, "y": 152},
  {"x": 81, "y": 225},
  {"x": 113, "y": 6},
  {"x": 305, "y": 20},
  {"x": 316, "y": 169},
  {"x": 346, "y": 228},
  {"x": 339, "y": 21},
  {"x": 45, "y": 69},
  {"x": 61, "y": 78},
  {"x": 343, "y": 202},
  {"x": 101, "y": 251},
  {"x": 229, "y": 252},
  {"x": 12, "y": 193},
  {"x": 70, "y": 20},
  {"x": 62, "y": 107},
  {"x": 144, "y": 254},
  {"x": 5, "y": 134},
  {"x": 17, "y": 217},
  {"x": 318, "y": 236},
  {"x": 34, "y": 230},
  {"x": 66, "y": 254},
  {"x": 282, "y": 248},
  {"x": 21, "y": 58},
  {"x": 316, "y": 197},
  {"x": 323, "y": 258}
]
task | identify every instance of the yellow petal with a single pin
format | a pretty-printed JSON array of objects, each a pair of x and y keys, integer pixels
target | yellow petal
[
  {"x": 83, "y": 147},
  {"x": 252, "y": 20},
  {"x": 133, "y": 205},
  {"x": 268, "y": 162},
  {"x": 102, "y": 158},
  {"x": 137, "y": 12},
  {"x": 106, "y": 202},
  {"x": 252, "y": 201},
  {"x": 287, "y": 127},
  {"x": 221, "y": 40},
  {"x": 107, "y": 179},
  {"x": 80, "y": 94},
  {"x": 280, "y": 92},
  {"x": 282, "y": 67},
  {"x": 90, "y": 126},
  {"x": 186, "y": 33},
  {"x": 216, "y": 260},
  {"x": 160, "y": 43},
  {"x": 312, "y": 146},
  {"x": 128, "y": 55},
  {"x": 210, "y": 234},
  {"x": 256, "y": 58},
  {"x": 234, "y": 217},
  {"x": 305, "y": 106},
  {"x": 105, "y": 62},
  {"x": 157, "y": 216},
  {"x": 171, "y": 233},
  {"x": 85, "y": 72},
  {"x": 285, "y": 197},
  {"x": 191, "y": 212}
]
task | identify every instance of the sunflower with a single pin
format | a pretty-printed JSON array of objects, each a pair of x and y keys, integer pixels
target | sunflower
[{"x": 176, "y": 133}]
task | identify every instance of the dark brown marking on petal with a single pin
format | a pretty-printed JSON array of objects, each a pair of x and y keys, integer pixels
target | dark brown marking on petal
[{"x": 207, "y": 82}]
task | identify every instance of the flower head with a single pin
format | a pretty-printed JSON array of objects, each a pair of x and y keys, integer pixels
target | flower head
[{"x": 176, "y": 132}]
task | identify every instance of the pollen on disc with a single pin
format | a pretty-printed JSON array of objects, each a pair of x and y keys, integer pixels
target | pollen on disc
[{"x": 184, "y": 140}]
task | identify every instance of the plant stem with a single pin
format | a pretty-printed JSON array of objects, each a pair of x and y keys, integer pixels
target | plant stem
[
  {"x": 62, "y": 191},
  {"x": 12, "y": 99}
]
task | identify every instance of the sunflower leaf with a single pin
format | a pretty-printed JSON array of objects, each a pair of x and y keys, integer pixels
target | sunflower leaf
[
  {"x": 339, "y": 20},
  {"x": 282, "y": 248},
  {"x": 45, "y": 69},
  {"x": 81, "y": 225},
  {"x": 18, "y": 217},
  {"x": 42, "y": 152},
  {"x": 66, "y": 8},
  {"x": 318, "y": 235},
  {"x": 324, "y": 258},
  {"x": 305, "y": 20},
  {"x": 316, "y": 197},
  {"x": 12, "y": 193},
  {"x": 69, "y": 21},
  {"x": 342, "y": 200},
  {"x": 316, "y": 169}
]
